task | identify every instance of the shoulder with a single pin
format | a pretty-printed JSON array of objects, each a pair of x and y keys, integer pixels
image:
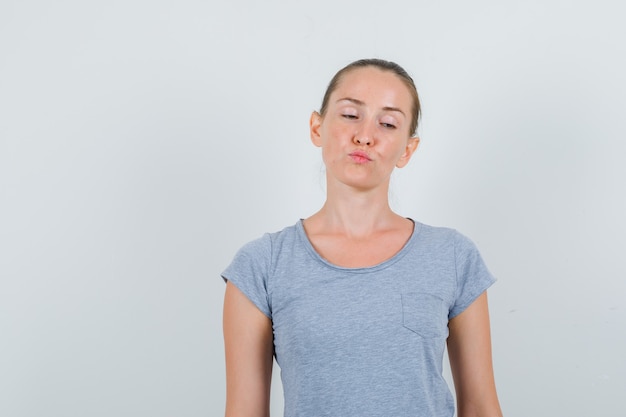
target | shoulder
[
  {"x": 264, "y": 246},
  {"x": 446, "y": 244},
  {"x": 252, "y": 268},
  {"x": 256, "y": 249},
  {"x": 446, "y": 236}
]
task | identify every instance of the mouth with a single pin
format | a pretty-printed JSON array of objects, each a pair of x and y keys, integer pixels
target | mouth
[{"x": 359, "y": 157}]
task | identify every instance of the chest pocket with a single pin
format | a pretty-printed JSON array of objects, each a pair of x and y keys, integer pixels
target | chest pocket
[{"x": 425, "y": 314}]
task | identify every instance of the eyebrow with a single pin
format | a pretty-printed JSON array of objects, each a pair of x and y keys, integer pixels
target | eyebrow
[{"x": 361, "y": 103}]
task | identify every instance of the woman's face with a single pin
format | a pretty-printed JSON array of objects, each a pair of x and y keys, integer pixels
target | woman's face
[{"x": 365, "y": 134}]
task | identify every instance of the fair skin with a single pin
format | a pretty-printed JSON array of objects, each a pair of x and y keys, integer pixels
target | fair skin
[{"x": 364, "y": 135}]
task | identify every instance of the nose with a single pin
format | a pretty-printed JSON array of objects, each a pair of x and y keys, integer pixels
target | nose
[{"x": 363, "y": 136}]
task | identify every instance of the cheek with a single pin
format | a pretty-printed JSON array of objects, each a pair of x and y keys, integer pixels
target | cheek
[
  {"x": 338, "y": 131},
  {"x": 394, "y": 149},
  {"x": 395, "y": 155},
  {"x": 335, "y": 139}
]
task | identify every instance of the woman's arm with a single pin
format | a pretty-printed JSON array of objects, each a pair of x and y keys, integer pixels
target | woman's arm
[
  {"x": 469, "y": 349},
  {"x": 249, "y": 346}
]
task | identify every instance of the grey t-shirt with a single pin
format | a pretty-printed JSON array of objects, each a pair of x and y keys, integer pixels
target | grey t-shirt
[{"x": 362, "y": 342}]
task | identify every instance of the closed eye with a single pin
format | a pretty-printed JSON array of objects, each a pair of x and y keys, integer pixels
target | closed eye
[
  {"x": 388, "y": 125},
  {"x": 349, "y": 116}
]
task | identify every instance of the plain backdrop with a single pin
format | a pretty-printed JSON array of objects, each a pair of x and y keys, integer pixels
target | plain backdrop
[{"x": 143, "y": 142}]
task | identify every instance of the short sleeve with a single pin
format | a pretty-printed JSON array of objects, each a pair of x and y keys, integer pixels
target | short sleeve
[
  {"x": 472, "y": 275},
  {"x": 249, "y": 272}
]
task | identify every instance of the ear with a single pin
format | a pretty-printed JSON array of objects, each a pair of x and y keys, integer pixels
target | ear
[
  {"x": 315, "y": 124},
  {"x": 411, "y": 146}
]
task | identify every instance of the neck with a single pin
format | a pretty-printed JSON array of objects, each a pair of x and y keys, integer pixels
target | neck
[{"x": 355, "y": 213}]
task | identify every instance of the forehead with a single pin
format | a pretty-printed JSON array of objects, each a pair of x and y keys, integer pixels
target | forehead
[{"x": 374, "y": 87}]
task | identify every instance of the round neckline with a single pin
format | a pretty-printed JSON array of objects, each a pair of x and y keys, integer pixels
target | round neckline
[{"x": 362, "y": 269}]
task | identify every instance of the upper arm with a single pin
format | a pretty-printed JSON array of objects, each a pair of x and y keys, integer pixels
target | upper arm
[
  {"x": 469, "y": 349},
  {"x": 249, "y": 347}
]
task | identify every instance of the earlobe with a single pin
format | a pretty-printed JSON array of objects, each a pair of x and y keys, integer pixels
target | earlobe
[
  {"x": 314, "y": 128},
  {"x": 411, "y": 146}
]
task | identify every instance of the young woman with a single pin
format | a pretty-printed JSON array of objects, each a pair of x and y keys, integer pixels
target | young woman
[{"x": 356, "y": 302}]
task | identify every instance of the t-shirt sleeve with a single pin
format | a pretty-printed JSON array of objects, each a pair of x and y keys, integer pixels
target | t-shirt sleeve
[
  {"x": 249, "y": 272},
  {"x": 472, "y": 275}
]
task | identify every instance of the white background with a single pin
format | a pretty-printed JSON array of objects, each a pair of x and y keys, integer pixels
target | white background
[{"x": 143, "y": 142}]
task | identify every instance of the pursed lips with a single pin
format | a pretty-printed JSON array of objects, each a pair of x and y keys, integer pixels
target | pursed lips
[{"x": 360, "y": 157}]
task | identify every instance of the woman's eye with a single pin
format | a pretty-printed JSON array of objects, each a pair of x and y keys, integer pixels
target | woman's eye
[
  {"x": 388, "y": 125},
  {"x": 349, "y": 116}
]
